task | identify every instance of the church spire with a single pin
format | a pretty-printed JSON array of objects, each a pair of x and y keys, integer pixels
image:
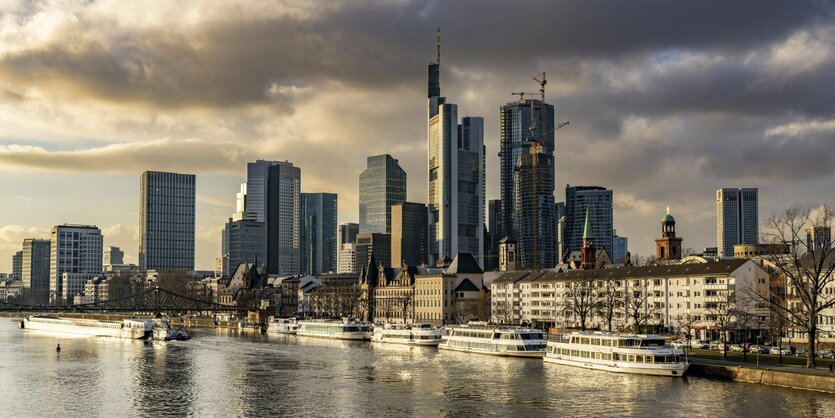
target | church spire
[{"x": 587, "y": 231}]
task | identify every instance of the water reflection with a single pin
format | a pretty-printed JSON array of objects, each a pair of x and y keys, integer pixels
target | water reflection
[{"x": 223, "y": 373}]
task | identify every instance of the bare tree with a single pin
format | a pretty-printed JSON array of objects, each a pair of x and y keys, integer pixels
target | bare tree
[
  {"x": 580, "y": 300},
  {"x": 502, "y": 312},
  {"x": 636, "y": 304},
  {"x": 806, "y": 266},
  {"x": 722, "y": 315},
  {"x": 686, "y": 322},
  {"x": 610, "y": 301}
]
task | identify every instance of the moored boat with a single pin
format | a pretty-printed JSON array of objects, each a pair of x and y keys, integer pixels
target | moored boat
[
  {"x": 408, "y": 334},
  {"x": 495, "y": 340},
  {"x": 126, "y": 328},
  {"x": 345, "y": 329},
  {"x": 282, "y": 326},
  {"x": 637, "y": 354}
]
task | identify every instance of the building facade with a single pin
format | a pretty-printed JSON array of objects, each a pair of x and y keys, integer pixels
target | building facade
[
  {"x": 113, "y": 256},
  {"x": 166, "y": 221},
  {"x": 382, "y": 185},
  {"x": 17, "y": 265},
  {"x": 75, "y": 257},
  {"x": 598, "y": 201},
  {"x": 273, "y": 196},
  {"x": 620, "y": 247},
  {"x": 243, "y": 241},
  {"x": 698, "y": 298},
  {"x": 348, "y": 259},
  {"x": 737, "y": 219},
  {"x": 346, "y": 234},
  {"x": 409, "y": 235},
  {"x": 376, "y": 245},
  {"x": 35, "y": 264},
  {"x": 319, "y": 229},
  {"x": 668, "y": 247}
]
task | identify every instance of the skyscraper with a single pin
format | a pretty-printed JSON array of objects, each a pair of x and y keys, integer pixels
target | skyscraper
[
  {"x": 737, "y": 219},
  {"x": 346, "y": 235},
  {"x": 382, "y": 184},
  {"x": 533, "y": 214},
  {"x": 243, "y": 241},
  {"x": 598, "y": 201},
  {"x": 318, "y": 224},
  {"x": 166, "y": 221},
  {"x": 456, "y": 177},
  {"x": 409, "y": 236},
  {"x": 75, "y": 256},
  {"x": 273, "y": 196},
  {"x": 17, "y": 265},
  {"x": 35, "y": 264},
  {"x": 620, "y": 246},
  {"x": 520, "y": 123}
]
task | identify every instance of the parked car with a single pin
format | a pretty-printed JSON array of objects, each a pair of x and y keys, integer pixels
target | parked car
[
  {"x": 761, "y": 349},
  {"x": 826, "y": 354},
  {"x": 738, "y": 348},
  {"x": 700, "y": 344},
  {"x": 778, "y": 350},
  {"x": 714, "y": 345},
  {"x": 801, "y": 352},
  {"x": 678, "y": 344}
]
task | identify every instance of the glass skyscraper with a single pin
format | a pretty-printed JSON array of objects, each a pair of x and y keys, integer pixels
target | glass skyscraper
[
  {"x": 166, "y": 221},
  {"x": 382, "y": 184},
  {"x": 319, "y": 242},
  {"x": 598, "y": 201},
  {"x": 737, "y": 219},
  {"x": 273, "y": 191}
]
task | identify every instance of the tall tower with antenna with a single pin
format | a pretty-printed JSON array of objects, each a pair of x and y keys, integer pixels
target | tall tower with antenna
[{"x": 455, "y": 169}]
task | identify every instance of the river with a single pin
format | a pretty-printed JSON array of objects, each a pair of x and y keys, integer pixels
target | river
[{"x": 221, "y": 373}]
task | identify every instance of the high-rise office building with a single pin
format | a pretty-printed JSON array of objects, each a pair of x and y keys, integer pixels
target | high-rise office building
[
  {"x": 377, "y": 244},
  {"x": 166, "y": 221},
  {"x": 75, "y": 257},
  {"x": 346, "y": 234},
  {"x": 35, "y": 264},
  {"x": 520, "y": 124},
  {"x": 456, "y": 177},
  {"x": 319, "y": 241},
  {"x": 113, "y": 256},
  {"x": 17, "y": 265},
  {"x": 409, "y": 235},
  {"x": 348, "y": 258},
  {"x": 598, "y": 201},
  {"x": 382, "y": 185},
  {"x": 243, "y": 241},
  {"x": 737, "y": 219},
  {"x": 273, "y": 196}
]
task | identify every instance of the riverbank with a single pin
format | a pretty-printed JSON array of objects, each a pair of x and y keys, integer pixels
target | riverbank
[{"x": 770, "y": 375}]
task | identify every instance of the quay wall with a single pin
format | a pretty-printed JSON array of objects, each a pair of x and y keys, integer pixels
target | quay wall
[
  {"x": 820, "y": 383},
  {"x": 182, "y": 322}
]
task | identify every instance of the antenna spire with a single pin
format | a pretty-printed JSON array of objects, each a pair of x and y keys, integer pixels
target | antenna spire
[{"x": 438, "y": 46}]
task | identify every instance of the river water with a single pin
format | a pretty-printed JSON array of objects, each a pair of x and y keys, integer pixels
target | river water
[{"x": 220, "y": 373}]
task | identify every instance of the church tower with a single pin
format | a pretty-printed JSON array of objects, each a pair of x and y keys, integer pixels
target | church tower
[
  {"x": 588, "y": 253},
  {"x": 668, "y": 247}
]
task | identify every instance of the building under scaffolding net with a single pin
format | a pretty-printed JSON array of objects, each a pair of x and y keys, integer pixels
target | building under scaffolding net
[{"x": 536, "y": 235}]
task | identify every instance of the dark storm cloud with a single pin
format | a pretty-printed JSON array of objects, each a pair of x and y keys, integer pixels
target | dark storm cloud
[{"x": 379, "y": 45}]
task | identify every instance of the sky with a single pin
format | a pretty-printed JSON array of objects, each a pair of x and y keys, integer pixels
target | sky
[{"x": 667, "y": 101}]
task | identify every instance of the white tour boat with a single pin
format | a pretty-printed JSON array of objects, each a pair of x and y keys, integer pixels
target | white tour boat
[
  {"x": 282, "y": 326},
  {"x": 414, "y": 334},
  {"x": 638, "y": 354},
  {"x": 126, "y": 328},
  {"x": 337, "y": 330},
  {"x": 496, "y": 340}
]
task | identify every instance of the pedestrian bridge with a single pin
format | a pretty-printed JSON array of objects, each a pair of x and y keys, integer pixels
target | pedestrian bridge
[{"x": 154, "y": 300}]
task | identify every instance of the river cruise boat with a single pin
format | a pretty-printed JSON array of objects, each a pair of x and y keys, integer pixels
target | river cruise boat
[
  {"x": 283, "y": 326},
  {"x": 409, "y": 334},
  {"x": 495, "y": 340},
  {"x": 126, "y": 328},
  {"x": 338, "y": 330},
  {"x": 163, "y": 331},
  {"x": 637, "y": 354}
]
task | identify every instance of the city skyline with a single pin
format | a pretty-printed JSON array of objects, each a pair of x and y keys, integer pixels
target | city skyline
[{"x": 661, "y": 121}]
